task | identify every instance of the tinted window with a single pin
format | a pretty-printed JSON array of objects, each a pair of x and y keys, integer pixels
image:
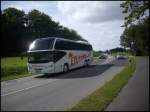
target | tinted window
[
  {"x": 58, "y": 55},
  {"x": 63, "y": 45},
  {"x": 68, "y": 45},
  {"x": 42, "y": 44},
  {"x": 40, "y": 57}
]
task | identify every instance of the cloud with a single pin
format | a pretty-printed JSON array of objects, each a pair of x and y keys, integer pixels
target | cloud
[
  {"x": 91, "y": 11},
  {"x": 48, "y": 7},
  {"x": 102, "y": 36},
  {"x": 97, "y": 21}
]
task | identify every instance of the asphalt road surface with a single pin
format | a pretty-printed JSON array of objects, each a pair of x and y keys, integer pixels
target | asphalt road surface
[
  {"x": 58, "y": 91},
  {"x": 135, "y": 95}
]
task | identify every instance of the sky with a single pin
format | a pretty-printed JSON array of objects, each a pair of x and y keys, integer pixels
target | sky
[{"x": 96, "y": 21}]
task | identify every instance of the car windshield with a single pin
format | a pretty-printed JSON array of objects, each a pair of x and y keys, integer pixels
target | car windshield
[
  {"x": 40, "y": 57},
  {"x": 42, "y": 44}
]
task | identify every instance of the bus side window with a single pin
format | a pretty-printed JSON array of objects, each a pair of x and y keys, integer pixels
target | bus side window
[{"x": 58, "y": 55}]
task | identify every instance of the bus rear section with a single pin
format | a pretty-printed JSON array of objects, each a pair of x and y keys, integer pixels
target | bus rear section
[{"x": 77, "y": 53}]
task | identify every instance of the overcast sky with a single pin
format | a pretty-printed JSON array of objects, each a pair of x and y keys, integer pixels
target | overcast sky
[{"x": 97, "y": 21}]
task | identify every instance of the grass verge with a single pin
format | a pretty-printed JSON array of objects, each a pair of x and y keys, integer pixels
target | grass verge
[
  {"x": 98, "y": 100},
  {"x": 13, "y": 68},
  {"x": 11, "y": 77}
]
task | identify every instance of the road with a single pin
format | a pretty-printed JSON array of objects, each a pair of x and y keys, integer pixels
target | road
[
  {"x": 59, "y": 91},
  {"x": 135, "y": 95}
]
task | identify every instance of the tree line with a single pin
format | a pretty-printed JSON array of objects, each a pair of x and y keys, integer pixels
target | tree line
[
  {"x": 136, "y": 33},
  {"x": 20, "y": 29}
]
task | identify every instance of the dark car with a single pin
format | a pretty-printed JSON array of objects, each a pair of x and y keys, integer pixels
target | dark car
[
  {"x": 102, "y": 57},
  {"x": 120, "y": 57}
]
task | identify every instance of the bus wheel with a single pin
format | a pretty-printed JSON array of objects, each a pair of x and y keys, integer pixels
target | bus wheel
[
  {"x": 65, "y": 68},
  {"x": 86, "y": 63}
]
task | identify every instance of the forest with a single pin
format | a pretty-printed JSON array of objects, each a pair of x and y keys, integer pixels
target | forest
[{"x": 18, "y": 30}]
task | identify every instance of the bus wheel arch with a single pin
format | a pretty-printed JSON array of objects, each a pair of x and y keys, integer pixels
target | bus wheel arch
[{"x": 86, "y": 63}]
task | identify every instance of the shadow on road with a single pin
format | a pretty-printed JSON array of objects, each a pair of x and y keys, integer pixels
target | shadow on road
[
  {"x": 85, "y": 72},
  {"x": 82, "y": 72}
]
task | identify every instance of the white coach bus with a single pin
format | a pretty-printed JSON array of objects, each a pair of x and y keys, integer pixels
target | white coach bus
[{"x": 53, "y": 55}]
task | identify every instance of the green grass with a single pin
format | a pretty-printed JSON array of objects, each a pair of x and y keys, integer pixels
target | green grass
[
  {"x": 13, "y": 67},
  {"x": 98, "y": 100}
]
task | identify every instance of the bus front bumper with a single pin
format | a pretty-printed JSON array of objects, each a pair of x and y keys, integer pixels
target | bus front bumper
[{"x": 41, "y": 69}]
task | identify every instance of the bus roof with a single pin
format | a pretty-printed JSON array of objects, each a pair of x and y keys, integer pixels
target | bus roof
[
  {"x": 77, "y": 41},
  {"x": 61, "y": 38},
  {"x": 44, "y": 45}
]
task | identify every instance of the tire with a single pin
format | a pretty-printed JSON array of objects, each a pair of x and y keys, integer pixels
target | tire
[
  {"x": 86, "y": 63},
  {"x": 65, "y": 69}
]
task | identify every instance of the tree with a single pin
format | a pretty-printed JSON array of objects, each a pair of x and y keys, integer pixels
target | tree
[
  {"x": 136, "y": 37},
  {"x": 135, "y": 10},
  {"x": 40, "y": 24},
  {"x": 13, "y": 29},
  {"x": 20, "y": 29},
  {"x": 136, "y": 33},
  {"x": 117, "y": 49}
]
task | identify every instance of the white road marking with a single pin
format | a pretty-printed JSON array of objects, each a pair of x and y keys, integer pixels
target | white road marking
[
  {"x": 32, "y": 87},
  {"x": 28, "y": 88},
  {"x": 19, "y": 90}
]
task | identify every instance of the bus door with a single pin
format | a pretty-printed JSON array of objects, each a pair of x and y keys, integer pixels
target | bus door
[{"x": 59, "y": 60}]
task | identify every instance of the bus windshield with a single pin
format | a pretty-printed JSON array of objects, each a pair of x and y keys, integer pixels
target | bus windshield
[
  {"x": 41, "y": 57},
  {"x": 42, "y": 44}
]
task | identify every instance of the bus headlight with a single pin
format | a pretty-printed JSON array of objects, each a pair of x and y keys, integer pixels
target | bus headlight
[
  {"x": 49, "y": 66},
  {"x": 29, "y": 67}
]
